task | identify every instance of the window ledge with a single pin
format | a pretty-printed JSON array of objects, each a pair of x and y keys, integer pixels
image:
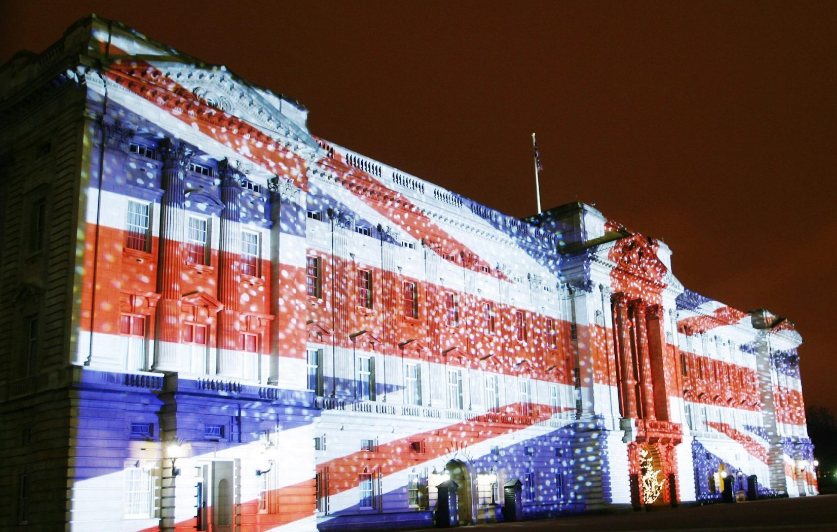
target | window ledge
[
  {"x": 252, "y": 279},
  {"x": 137, "y": 254},
  {"x": 200, "y": 268}
]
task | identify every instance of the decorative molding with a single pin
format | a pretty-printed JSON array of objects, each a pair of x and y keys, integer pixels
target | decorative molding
[
  {"x": 118, "y": 135},
  {"x": 176, "y": 154}
]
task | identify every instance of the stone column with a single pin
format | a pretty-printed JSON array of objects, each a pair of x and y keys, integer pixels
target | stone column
[
  {"x": 628, "y": 384},
  {"x": 657, "y": 353},
  {"x": 642, "y": 358},
  {"x": 229, "y": 356},
  {"x": 176, "y": 159},
  {"x": 775, "y": 449}
]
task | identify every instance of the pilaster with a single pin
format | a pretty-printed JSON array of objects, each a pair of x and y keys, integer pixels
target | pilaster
[
  {"x": 176, "y": 159},
  {"x": 229, "y": 357}
]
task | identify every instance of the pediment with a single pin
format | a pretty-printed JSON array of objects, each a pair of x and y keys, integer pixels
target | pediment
[
  {"x": 203, "y": 201},
  {"x": 27, "y": 291},
  {"x": 364, "y": 338},
  {"x": 202, "y": 299},
  {"x": 414, "y": 345},
  {"x": 524, "y": 366},
  {"x": 317, "y": 331},
  {"x": 636, "y": 255},
  {"x": 454, "y": 351}
]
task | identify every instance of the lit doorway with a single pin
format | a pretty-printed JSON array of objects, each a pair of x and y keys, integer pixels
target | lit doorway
[{"x": 460, "y": 474}]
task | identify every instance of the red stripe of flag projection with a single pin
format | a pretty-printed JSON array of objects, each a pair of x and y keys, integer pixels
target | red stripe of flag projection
[{"x": 273, "y": 331}]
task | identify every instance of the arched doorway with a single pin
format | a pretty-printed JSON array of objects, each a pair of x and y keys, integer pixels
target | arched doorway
[
  {"x": 460, "y": 474},
  {"x": 651, "y": 477}
]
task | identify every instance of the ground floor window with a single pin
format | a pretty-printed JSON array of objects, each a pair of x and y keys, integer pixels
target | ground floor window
[
  {"x": 366, "y": 492},
  {"x": 138, "y": 492}
]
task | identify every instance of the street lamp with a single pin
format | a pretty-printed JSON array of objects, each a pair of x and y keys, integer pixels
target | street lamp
[{"x": 175, "y": 449}]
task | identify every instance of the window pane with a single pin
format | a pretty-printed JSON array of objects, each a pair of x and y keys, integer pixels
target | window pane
[
  {"x": 200, "y": 334},
  {"x": 197, "y": 242},
  {"x": 250, "y": 253},
  {"x": 138, "y": 225},
  {"x": 313, "y": 276}
]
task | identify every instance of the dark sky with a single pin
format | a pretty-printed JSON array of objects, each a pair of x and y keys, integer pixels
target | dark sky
[{"x": 710, "y": 125}]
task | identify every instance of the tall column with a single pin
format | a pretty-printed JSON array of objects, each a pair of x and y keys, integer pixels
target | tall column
[
  {"x": 176, "y": 159},
  {"x": 641, "y": 342},
  {"x": 229, "y": 356},
  {"x": 775, "y": 449},
  {"x": 657, "y": 350},
  {"x": 628, "y": 384}
]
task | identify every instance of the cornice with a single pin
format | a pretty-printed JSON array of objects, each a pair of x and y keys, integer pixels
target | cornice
[{"x": 23, "y": 103}]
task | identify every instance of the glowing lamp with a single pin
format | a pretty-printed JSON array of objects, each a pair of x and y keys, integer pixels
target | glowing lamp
[{"x": 174, "y": 450}]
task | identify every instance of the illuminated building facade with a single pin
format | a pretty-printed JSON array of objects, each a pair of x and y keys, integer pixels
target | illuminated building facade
[{"x": 214, "y": 320}]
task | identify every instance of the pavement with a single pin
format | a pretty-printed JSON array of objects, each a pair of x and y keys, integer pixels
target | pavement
[{"x": 817, "y": 513}]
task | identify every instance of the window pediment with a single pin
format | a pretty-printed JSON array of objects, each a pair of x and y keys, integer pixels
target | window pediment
[{"x": 202, "y": 299}]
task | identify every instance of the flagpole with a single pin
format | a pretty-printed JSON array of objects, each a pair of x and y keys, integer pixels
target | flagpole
[{"x": 537, "y": 163}]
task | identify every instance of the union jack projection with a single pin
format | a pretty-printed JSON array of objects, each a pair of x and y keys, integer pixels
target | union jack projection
[{"x": 216, "y": 321}]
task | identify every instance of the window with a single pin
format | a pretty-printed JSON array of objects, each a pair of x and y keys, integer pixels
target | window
[
  {"x": 684, "y": 368},
  {"x": 320, "y": 443},
  {"x": 314, "y": 364},
  {"x": 489, "y": 317},
  {"x": 315, "y": 215},
  {"x": 142, "y": 430},
  {"x": 409, "y": 299},
  {"x": 133, "y": 330},
  {"x": 23, "y": 500},
  {"x": 559, "y": 486},
  {"x": 455, "y": 398},
  {"x": 139, "y": 149},
  {"x": 250, "y": 253},
  {"x": 485, "y": 488},
  {"x": 365, "y": 488},
  {"x": 415, "y": 491},
  {"x": 524, "y": 396},
  {"x": 138, "y": 485},
  {"x": 314, "y": 276},
  {"x": 369, "y": 446},
  {"x": 194, "y": 334},
  {"x": 364, "y": 288},
  {"x": 554, "y": 400},
  {"x": 30, "y": 346},
  {"x": 520, "y": 325},
  {"x": 197, "y": 242},
  {"x": 492, "y": 392},
  {"x": 138, "y": 226},
  {"x": 37, "y": 224},
  {"x": 452, "y": 309},
  {"x": 264, "y": 492},
  {"x": 364, "y": 230},
  {"x": 366, "y": 378},
  {"x": 551, "y": 334},
  {"x": 201, "y": 169},
  {"x": 412, "y": 384},
  {"x": 530, "y": 485},
  {"x": 248, "y": 342},
  {"x": 321, "y": 481},
  {"x": 213, "y": 432}
]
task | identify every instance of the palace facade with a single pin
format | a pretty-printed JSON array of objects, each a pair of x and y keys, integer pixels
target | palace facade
[{"x": 213, "y": 319}]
